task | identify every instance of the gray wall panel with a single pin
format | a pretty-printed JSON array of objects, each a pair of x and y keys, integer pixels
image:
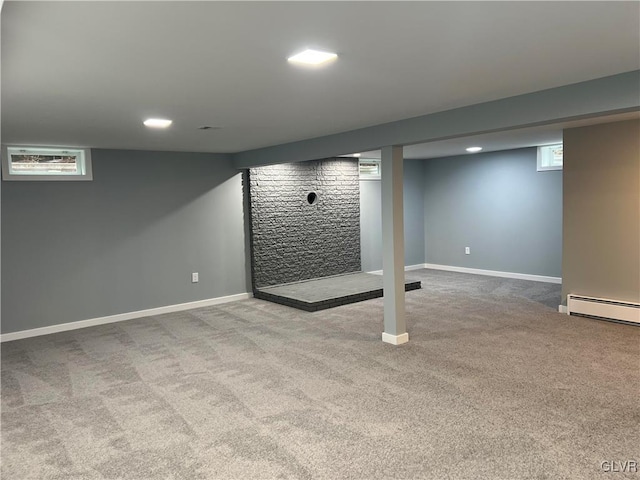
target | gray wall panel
[
  {"x": 602, "y": 211},
  {"x": 371, "y": 225},
  {"x": 497, "y": 204},
  {"x": 126, "y": 241},
  {"x": 414, "y": 240},
  {"x": 371, "y": 218}
]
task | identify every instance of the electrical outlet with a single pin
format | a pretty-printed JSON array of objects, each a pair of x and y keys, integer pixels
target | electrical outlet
[
  {"x": 467, "y": 250},
  {"x": 194, "y": 277}
]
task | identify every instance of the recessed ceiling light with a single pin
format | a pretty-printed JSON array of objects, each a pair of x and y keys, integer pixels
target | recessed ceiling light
[
  {"x": 474, "y": 149},
  {"x": 157, "y": 122},
  {"x": 356, "y": 155},
  {"x": 312, "y": 57}
]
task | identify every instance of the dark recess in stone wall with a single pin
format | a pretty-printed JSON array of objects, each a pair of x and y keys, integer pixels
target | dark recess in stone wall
[{"x": 305, "y": 220}]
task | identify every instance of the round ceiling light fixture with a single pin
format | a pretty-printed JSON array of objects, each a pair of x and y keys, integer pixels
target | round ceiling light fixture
[{"x": 474, "y": 149}]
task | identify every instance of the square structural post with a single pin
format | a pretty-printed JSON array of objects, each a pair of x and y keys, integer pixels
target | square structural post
[{"x": 395, "y": 327}]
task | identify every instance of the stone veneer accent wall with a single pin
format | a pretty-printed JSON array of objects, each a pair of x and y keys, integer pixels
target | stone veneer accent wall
[{"x": 294, "y": 240}]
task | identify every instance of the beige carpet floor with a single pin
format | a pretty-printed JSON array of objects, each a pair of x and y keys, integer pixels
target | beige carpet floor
[{"x": 494, "y": 384}]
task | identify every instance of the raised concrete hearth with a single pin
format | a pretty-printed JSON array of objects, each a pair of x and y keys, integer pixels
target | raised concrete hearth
[{"x": 328, "y": 292}]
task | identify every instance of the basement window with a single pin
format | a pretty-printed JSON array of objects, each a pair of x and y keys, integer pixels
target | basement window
[
  {"x": 46, "y": 163},
  {"x": 550, "y": 157},
  {"x": 369, "y": 169}
]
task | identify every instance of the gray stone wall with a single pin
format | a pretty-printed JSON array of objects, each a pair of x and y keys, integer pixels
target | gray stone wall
[{"x": 292, "y": 239}]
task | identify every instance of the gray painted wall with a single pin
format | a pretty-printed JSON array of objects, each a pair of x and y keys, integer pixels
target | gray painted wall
[
  {"x": 500, "y": 206},
  {"x": 293, "y": 240},
  {"x": 602, "y": 211},
  {"x": 371, "y": 218},
  {"x": 126, "y": 241},
  {"x": 371, "y": 225},
  {"x": 414, "y": 239}
]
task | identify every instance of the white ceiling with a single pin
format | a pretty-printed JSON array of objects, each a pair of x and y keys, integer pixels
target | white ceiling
[{"x": 88, "y": 73}]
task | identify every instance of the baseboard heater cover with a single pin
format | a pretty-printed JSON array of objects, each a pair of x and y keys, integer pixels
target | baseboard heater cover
[{"x": 603, "y": 308}]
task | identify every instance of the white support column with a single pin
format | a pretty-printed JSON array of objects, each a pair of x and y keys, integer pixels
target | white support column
[{"x": 395, "y": 327}]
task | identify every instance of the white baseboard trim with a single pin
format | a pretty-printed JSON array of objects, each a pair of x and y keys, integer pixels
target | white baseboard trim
[
  {"x": 395, "y": 339},
  {"x": 419, "y": 266},
  {"x": 494, "y": 273},
  {"x": 407, "y": 268},
  {"x": 563, "y": 309},
  {"x": 63, "y": 327}
]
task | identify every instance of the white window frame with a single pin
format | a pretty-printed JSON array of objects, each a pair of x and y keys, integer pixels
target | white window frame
[
  {"x": 541, "y": 154},
  {"x": 367, "y": 176},
  {"x": 83, "y": 161}
]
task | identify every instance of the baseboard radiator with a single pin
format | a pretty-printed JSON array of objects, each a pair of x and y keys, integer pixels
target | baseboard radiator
[{"x": 603, "y": 308}]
